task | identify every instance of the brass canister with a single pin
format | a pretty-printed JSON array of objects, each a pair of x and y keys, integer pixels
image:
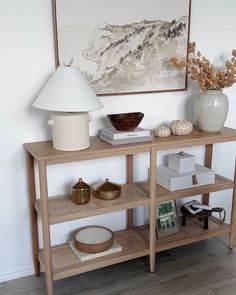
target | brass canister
[
  {"x": 107, "y": 190},
  {"x": 81, "y": 193}
]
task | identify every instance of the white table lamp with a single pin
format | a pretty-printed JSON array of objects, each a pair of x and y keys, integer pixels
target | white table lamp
[{"x": 70, "y": 96}]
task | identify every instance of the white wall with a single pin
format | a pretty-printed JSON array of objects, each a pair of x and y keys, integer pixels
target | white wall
[{"x": 27, "y": 60}]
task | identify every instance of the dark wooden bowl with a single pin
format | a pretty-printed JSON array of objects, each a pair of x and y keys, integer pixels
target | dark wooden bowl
[{"x": 126, "y": 121}]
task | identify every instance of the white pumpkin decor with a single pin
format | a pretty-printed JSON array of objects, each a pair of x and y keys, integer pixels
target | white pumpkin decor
[
  {"x": 181, "y": 127},
  {"x": 162, "y": 131}
]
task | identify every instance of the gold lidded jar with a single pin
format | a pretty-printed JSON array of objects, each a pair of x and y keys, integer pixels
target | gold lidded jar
[
  {"x": 107, "y": 190},
  {"x": 80, "y": 193}
]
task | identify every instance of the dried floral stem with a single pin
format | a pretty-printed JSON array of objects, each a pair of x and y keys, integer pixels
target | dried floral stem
[{"x": 204, "y": 73}]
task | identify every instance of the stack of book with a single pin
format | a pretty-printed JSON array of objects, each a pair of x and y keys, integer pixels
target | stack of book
[
  {"x": 114, "y": 137},
  {"x": 115, "y": 248}
]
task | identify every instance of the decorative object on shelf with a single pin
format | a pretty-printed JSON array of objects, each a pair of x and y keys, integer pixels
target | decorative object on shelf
[
  {"x": 167, "y": 219},
  {"x": 121, "y": 50},
  {"x": 125, "y": 140},
  {"x": 69, "y": 95},
  {"x": 212, "y": 104},
  {"x": 162, "y": 131},
  {"x": 126, "y": 121},
  {"x": 202, "y": 212},
  {"x": 93, "y": 239},
  {"x": 115, "y": 134},
  {"x": 173, "y": 181},
  {"x": 115, "y": 248},
  {"x": 181, "y": 162},
  {"x": 211, "y": 110},
  {"x": 107, "y": 190},
  {"x": 181, "y": 127},
  {"x": 80, "y": 193}
]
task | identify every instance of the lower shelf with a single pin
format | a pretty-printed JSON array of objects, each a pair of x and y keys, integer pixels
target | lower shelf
[
  {"x": 192, "y": 232},
  {"x": 134, "y": 244},
  {"x": 66, "y": 263}
]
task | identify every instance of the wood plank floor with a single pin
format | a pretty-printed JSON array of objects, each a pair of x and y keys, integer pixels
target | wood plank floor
[{"x": 203, "y": 268}]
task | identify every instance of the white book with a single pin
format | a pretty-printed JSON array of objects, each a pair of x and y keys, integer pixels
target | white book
[
  {"x": 125, "y": 140},
  {"x": 115, "y": 248},
  {"x": 115, "y": 134}
]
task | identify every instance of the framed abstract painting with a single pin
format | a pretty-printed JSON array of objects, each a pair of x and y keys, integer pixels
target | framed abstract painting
[{"x": 124, "y": 46}]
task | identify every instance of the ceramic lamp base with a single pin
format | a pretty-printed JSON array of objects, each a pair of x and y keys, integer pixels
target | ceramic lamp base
[{"x": 70, "y": 131}]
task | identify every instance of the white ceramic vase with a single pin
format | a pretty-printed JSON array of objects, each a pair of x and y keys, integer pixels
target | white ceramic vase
[{"x": 211, "y": 110}]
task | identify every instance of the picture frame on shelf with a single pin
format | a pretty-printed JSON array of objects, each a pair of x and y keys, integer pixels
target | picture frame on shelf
[
  {"x": 167, "y": 219},
  {"x": 121, "y": 46}
]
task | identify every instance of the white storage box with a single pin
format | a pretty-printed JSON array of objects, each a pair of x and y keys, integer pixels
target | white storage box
[
  {"x": 174, "y": 181},
  {"x": 181, "y": 162}
]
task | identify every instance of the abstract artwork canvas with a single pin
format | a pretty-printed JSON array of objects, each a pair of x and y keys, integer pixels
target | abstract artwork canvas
[{"x": 124, "y": 46}]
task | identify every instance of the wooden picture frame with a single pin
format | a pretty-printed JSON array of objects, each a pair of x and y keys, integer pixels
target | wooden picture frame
[
  {"x": 167, "y": 219},
  {"x": 122, "y": 47}
]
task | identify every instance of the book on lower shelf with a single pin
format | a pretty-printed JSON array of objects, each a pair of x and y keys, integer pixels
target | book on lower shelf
[
  {"x": 125, "y": 140},
  {"x": 115, "y": 248},
  {"x": 115, "y": 134}
]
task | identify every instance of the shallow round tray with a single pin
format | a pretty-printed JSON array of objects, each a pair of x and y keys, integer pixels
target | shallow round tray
[{"x": 93, "y": 239}]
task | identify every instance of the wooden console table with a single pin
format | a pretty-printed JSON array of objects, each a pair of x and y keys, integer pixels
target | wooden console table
[{"x": 60, "y": 261}]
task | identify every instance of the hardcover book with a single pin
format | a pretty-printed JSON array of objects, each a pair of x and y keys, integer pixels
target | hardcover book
[
  {"x": 115, "y": 134},
  {"x": 125, "y": 140},
  {"x": 115, "y": 248}
]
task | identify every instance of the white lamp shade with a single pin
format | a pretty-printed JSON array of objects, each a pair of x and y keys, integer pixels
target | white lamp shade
[{"x": 67, "y": 91}]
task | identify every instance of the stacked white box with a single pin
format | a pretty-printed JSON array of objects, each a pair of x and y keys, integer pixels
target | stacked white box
[
  {"x": 173, "y": 180},
  {"x": 181, "y": 162}
]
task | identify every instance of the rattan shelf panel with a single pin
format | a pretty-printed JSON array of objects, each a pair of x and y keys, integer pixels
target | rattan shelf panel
[
  {"x": 221, "y": 183},
  {"x": 134, "y": 244},
  {"x": 192, "y": 232},
  {"x": 62, "y": 209},
  {"x": 66, "y": 263}
]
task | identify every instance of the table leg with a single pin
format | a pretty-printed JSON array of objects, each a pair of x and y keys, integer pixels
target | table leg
[
  {"x": 205, "y": 222},
  {"x": 233, "y": 215},
  {"x": 46, "y": 227},
  {"x": 33, "y": 213},
  {"x": 184, "y": 218},
  {"x": 129, "y": 179},
  {"x": 208, "y": 164},
  {"x": 152, "y": 210}
]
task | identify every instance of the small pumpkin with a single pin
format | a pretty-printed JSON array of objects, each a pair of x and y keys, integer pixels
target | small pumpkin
[
  {"x": 181, "y": 127},
  {"x": 162, "y": 131}
]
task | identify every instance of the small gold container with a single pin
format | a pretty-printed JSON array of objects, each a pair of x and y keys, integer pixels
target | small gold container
[
  {"x": 107, "y": 190},
  {"x": 80, "y": 193}
]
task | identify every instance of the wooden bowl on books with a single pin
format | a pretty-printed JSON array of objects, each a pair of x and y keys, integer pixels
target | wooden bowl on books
[
  {"x": 126, "y": 121},
  {"x": 93, "y": 239}
]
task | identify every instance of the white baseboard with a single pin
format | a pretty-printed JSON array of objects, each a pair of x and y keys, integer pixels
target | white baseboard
[{"x": 16, "y": 273}]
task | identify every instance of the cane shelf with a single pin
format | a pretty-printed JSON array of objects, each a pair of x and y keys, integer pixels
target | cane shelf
[
  {"x": 134, "y": 244},
  {"x": 60, "y": 262}
]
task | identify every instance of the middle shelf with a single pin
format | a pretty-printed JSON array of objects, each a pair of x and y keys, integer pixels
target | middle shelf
[
  {"x": 62, "y": 209},
  {"x": 162, "y": 194}
]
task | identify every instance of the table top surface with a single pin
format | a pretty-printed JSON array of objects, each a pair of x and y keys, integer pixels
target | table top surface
[{"x": 44, "y": 150}]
